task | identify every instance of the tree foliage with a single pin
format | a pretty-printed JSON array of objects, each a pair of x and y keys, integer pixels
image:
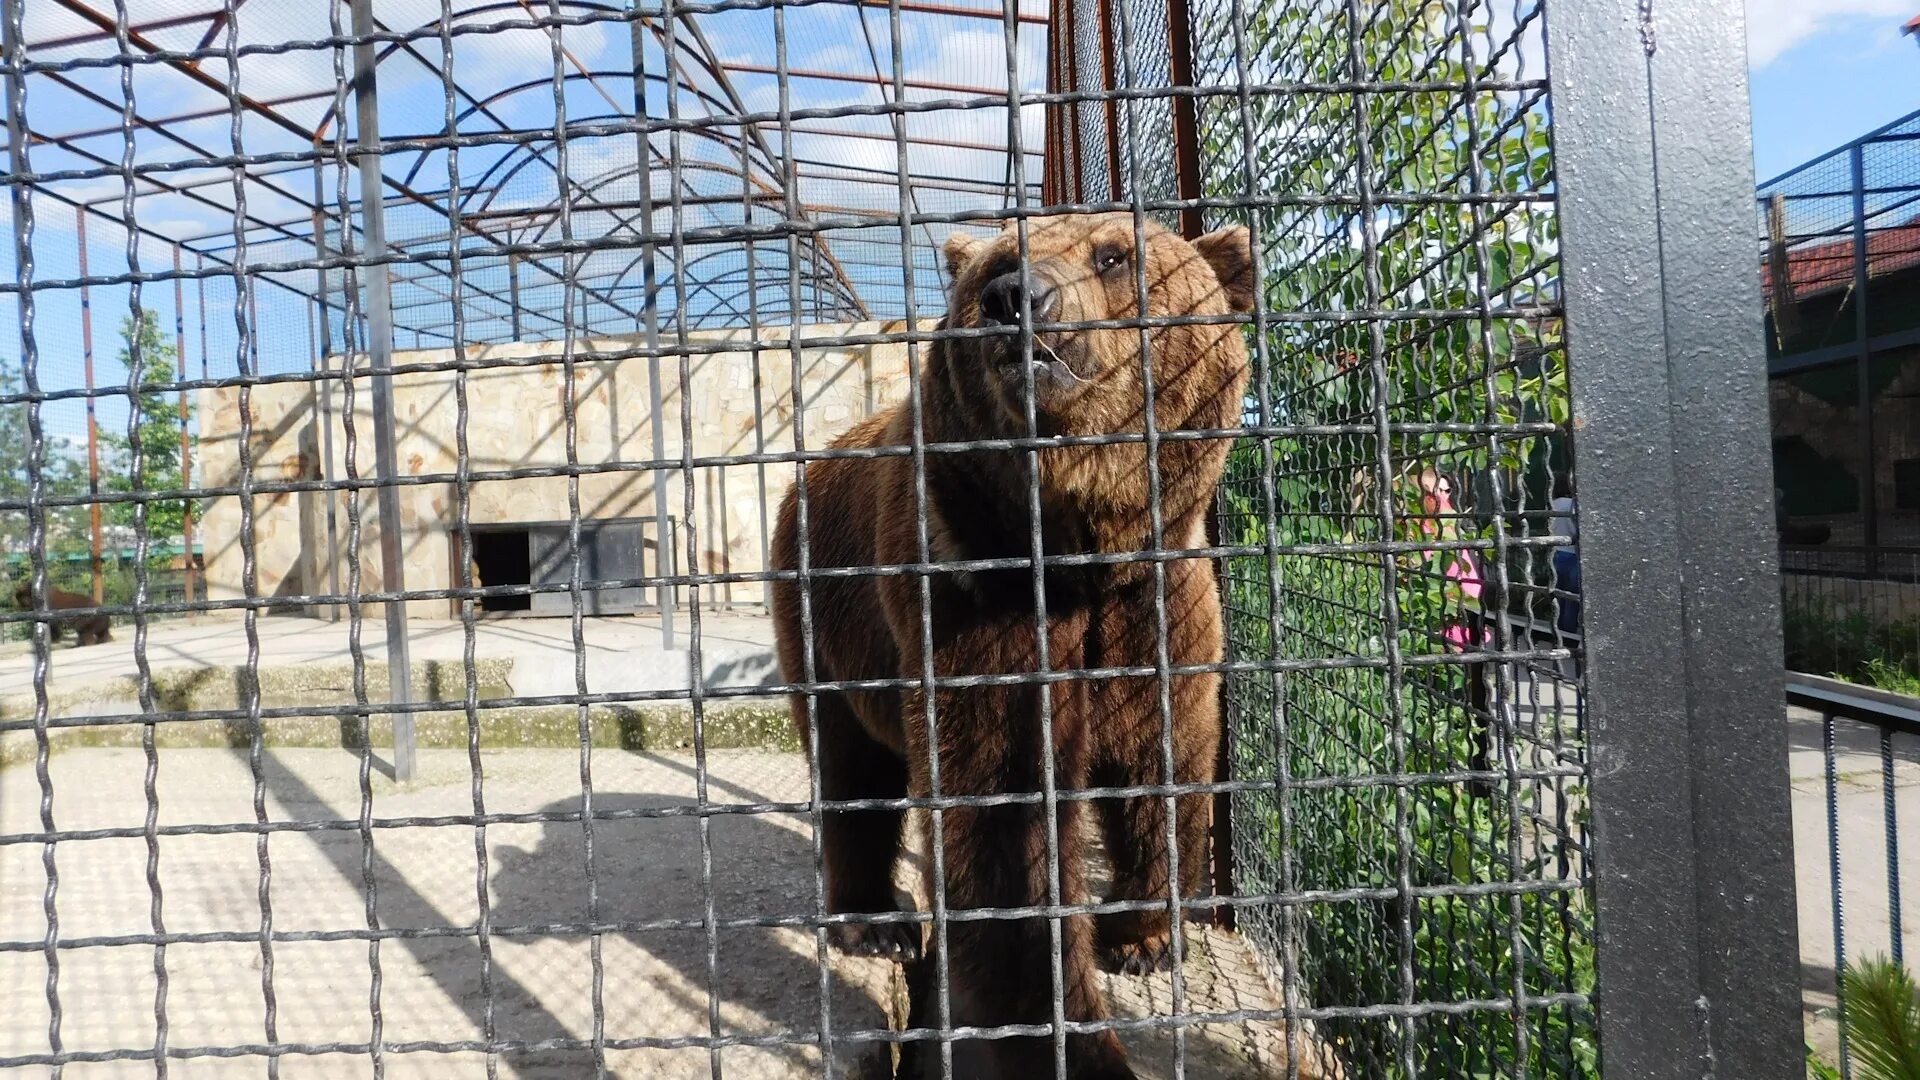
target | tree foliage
[
  {"x": 147, "y": 458},
  {"x": 1404, "y": 215}
]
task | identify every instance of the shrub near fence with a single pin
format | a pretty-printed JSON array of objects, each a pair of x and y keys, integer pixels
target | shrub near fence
[
  {"x": 1467, "y": 417},
  {"x": 1854, "y": 614}
]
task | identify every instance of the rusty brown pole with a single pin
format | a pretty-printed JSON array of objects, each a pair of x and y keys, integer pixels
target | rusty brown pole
[
  {"x": 93, "y": 429},
  {"x": 1107, "y": 53},
  {"x": 186, "y": 452},
  {"x": 1186, "y": 136}
]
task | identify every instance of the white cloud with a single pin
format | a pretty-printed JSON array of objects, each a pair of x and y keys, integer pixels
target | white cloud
[{"x": 1775, "y": 26}]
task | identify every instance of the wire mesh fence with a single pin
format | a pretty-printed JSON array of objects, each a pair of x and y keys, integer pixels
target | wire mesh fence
[
  {"x": 1451, "y": 785},
  {"x": 1059, "y": 522}
]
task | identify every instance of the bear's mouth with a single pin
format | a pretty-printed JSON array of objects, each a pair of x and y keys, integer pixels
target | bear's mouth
[{"x": 1051, "y": 366}]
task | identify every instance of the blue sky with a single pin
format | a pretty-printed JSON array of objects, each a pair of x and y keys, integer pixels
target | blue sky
[{"x": 1825, "y": 71}]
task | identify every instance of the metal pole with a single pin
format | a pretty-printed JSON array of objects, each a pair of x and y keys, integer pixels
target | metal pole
[
  {"x": 380, "y": 363},
  {"x": 1696, "y": 955},
  {"x": 1186, "y": 135},
  {"x": 666, "y": 596},
  {"x": 200, "y": 279},
  {"x": 1869, "y": 498},
  {"x": 93, "y": 428},
  {"x": 513, "y": 293},
  {"x": 186, "y": 450},
  {"x": 326, "y": 392},
  {"x": 253, "y": 320}
]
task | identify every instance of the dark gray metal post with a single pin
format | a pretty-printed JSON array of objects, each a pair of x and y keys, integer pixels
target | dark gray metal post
[
  {"x": 1698, "y": 962},
  {"x": 1863, "y": 376},
  {"x": 380, "y": 363},
  {"x": 665, "y": 595},
  {"x": 513, "y": 293}
]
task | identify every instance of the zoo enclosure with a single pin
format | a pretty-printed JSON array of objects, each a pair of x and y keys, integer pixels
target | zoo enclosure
[
  {"x": 1466, "y": 823},
  {"x": 1839, "y": 252}
]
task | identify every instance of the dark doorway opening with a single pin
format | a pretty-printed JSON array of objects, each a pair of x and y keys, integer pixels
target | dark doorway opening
[{"x": 500, "y": 557}]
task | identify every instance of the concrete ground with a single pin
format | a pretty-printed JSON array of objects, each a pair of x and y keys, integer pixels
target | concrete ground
[
  {"x": 199, "y": 679},
  {"x": 1861, "y": 802},
  {"x": 423, "y": 882},
  {"x": 656, "y": 983},
  {"x": 623, "y": 654}
]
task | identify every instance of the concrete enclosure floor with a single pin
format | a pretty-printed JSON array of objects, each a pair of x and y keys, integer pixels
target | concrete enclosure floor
[
  {"x": 623, "y": 654},
  {"x": 421, "y": 882}
]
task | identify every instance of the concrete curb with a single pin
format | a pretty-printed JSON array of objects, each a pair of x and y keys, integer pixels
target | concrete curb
[{"x": 328, "y": 689}]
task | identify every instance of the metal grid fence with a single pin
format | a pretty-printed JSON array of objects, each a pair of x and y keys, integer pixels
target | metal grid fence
[
  {"x": 1430, "y": 743},
  {"x": 1839, "y": 250},
  {"x": 539, "y": 196}
]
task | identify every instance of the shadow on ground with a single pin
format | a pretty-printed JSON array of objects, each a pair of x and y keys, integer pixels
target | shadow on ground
[{"x": 659, "y": 991}]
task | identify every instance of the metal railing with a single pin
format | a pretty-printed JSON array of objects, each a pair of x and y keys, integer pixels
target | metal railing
[
  {"x": 1869, "y": 754},
  {"x": 1854, "y": 613}
]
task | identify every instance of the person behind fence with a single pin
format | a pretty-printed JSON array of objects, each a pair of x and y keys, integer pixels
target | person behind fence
[{"x": 987, "y": 739}]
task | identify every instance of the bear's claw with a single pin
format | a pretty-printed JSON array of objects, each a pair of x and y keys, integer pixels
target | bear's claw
[{"x": 898, "y": 941}]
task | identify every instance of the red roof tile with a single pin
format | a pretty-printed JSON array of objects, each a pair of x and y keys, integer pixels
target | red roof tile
[{"x": 1820, "y": 267}]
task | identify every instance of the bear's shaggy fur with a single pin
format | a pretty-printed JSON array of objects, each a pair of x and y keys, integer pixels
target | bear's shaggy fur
[
  {"x": 89, "y": 629},
  {"x": 1093, "y": 500}
]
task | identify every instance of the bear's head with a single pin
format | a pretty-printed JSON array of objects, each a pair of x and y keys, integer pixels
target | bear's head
[{"x": 1088, "y": 268}]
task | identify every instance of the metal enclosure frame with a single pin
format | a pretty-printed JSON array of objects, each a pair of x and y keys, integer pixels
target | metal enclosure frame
[
  {"x": 1698, "y": 955},
  {"x": 1691, "y": 865}
]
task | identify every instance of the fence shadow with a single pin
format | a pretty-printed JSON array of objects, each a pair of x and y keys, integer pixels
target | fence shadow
[{"x": 674, "y": 983}]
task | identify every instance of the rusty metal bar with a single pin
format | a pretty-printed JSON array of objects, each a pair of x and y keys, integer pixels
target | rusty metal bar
[
  {"x": 93, "y": 427},
  {"x": 1186, "y": 136},
  {"x": 186, "y": 451}
]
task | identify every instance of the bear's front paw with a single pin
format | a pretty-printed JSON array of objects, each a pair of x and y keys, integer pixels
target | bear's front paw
[
  {"x": 1151, "y": 953},
  {"x": 896, "y": 940}
]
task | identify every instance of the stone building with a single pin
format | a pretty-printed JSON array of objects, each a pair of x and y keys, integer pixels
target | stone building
[{"x": 742, "y": 402}]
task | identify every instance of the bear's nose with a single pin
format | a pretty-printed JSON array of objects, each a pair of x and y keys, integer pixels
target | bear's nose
[{"x": 1000, "y": 300}]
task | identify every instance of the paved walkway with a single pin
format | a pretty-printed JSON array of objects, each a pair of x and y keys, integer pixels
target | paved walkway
[
  {"x": 422, "y": 883},
  {"x": 622, "y": 653}
]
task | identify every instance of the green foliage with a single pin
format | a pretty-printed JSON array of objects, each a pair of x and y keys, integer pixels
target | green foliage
[
  {"x": 59, "y": 474},
  {"x": 1430, "y": 396},
  {"x": 149, "y": 360},
  {"x": 1826, "y": 637},
  {"x": 1882, "y": 1019},
  {"x": 1818, "y": 1069}
]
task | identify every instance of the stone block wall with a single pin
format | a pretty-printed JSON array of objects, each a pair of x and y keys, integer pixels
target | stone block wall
[{"x": 517, "y": 420}]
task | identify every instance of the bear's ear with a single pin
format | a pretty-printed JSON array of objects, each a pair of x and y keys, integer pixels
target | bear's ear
[
  {"x": 1230, "y": 252},
  {"x": 961, "y": 247}
]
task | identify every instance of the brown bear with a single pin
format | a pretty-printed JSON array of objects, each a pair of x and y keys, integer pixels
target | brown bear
[
  {"x": 1100, "y": 612},
  {"x": 89, "y": 629}
]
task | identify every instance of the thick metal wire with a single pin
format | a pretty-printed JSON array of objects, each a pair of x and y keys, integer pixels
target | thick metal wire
[{"x": 1403, "y": 863}]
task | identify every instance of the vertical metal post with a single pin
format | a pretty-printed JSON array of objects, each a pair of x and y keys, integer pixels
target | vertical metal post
[
  {"x": 513, "y": 294},
  {"x": 666, "y": 595},
  {"x": 1697, "y": 955},
  {"x": 380, "y": 363},
  {"x": 186, "y": 449},
  {"x": 1863, "y": 376},
  {"x": 93, "y": 427},
  {"x": 322, "y": 366},
  {"x": 200, "y": 284},
  {"x": 253, "y": 320},
  {"x": 1186, "y": 129}
]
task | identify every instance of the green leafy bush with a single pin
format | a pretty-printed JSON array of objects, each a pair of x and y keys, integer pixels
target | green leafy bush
[
  {"x": 1826, "y": 637},
  {"x": 1359, "y": 748}
]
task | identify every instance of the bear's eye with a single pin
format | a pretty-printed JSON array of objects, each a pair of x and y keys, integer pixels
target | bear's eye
[{"x": 1109, "y": 258}]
